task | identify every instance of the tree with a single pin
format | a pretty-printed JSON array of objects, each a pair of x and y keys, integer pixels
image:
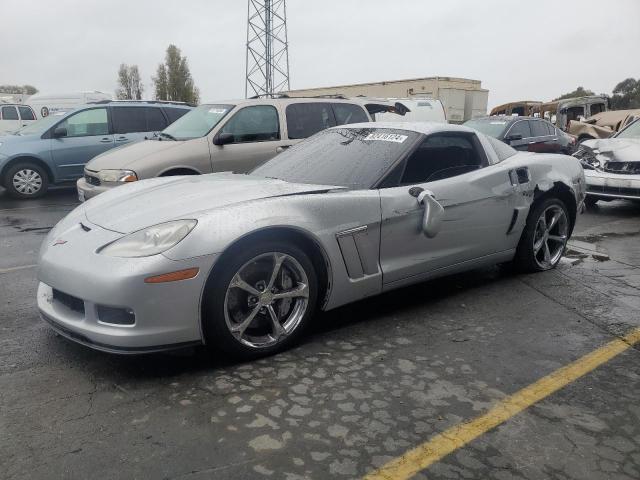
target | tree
[
  {"x": 17, "y": 89},
  {"x": 173, "y": 79},
  {"x": 578, "y": 92},
  {"x": 626, "y": 95},
  {"x": 130, "y": 85}
]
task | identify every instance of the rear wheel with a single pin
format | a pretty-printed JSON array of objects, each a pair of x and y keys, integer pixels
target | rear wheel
[
  {"x": 545, "y": 236},
  {"x": 26, "y": 180},
  {"x": 260, "y": 301}
]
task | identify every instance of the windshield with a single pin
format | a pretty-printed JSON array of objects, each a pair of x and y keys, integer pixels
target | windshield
[
  {"x": 632, "y": 131},
  {"x": 347, "y": 157},
  {"x": 492, "y": 127},
  {"x": 197, "y": 123},
  {"x": 40, "y": 126}
]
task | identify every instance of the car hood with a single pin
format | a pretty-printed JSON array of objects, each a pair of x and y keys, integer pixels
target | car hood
[
  {"x": 149, "y": 202},
  {"x": 127, "y": 155},
  {"x": 618, "y": 149}
]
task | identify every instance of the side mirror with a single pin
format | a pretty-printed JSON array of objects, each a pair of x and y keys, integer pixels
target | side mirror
[
  {"x": 513, "y": 137},
  {"x": 60, "y": 132},
  {"x": 433, "y": 211},
  {"x": 223, "y": 139}
]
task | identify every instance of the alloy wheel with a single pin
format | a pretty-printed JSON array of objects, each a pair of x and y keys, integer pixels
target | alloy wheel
[
  {"x": 266, "y": 300},
  {"x": 550, "y": 237},
  {"x": 27, "y": 181}
]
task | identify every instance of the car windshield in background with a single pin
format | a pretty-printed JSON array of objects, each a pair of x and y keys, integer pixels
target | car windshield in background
[
  {"x": 492, "y": 127},
  {"x": 632, "y": 131},
  {"x": 347, "y": 157},
  {"x": 197, "y": 123},
  {"x": 40, "y": 126}
]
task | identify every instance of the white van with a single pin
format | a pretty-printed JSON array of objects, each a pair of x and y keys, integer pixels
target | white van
[
  {"x": 422, "y": 110},
  {"x": 45, "y": 104},
  {"x": 14, "y": 116}
]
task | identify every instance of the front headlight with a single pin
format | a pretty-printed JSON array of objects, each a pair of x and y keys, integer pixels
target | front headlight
[
  {"x": 151, "y": 240},
  {"x": 117, "y": 176}
]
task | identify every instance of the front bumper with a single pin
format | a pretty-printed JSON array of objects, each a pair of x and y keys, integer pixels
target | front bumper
[
  {"x": 87, "y": 190},
  {"x": 612, "y": 185},
  {"x": 165, "y": 315}
]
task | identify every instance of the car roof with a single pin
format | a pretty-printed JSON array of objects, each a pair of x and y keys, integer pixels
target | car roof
[
  {"x": 508, "y": 118},
  {"x": 425, "y": 128}
]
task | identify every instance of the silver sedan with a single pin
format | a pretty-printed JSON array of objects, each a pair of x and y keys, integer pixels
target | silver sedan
[{"x": 243, "y": 262}]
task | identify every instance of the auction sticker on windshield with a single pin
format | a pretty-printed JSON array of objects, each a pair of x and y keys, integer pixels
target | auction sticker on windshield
[
  {"x": 386, "y": 137},
  {"x": 217, "y": 110}
]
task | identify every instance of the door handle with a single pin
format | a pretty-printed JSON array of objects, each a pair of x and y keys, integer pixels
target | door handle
[
  {"x": 532, "y": 142},
  {"x": 106, "y": 140},
  {"x": 121, "y": 139}
]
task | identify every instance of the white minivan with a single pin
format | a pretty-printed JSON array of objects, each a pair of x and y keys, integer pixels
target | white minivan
[
  {"x": 14, "y": 116},
  {"x": 421, "y": 110},
  {"x": 45, "y": 104}
]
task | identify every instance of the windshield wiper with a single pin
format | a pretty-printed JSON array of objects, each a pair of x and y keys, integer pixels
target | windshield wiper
[{"x": 169, "y": 136}]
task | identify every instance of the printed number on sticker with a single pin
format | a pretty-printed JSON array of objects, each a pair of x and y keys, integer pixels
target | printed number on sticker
[{"x": 386, "y": 137}]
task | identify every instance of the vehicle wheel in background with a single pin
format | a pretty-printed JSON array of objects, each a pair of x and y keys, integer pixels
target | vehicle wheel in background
[
  {"x": 544, "y": 237},
  {"x": 26, "y": 180},
  {"x": 260, "y": 300}
]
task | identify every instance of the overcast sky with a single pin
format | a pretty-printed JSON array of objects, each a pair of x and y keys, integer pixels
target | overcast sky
[{"x": 519, "y": 50}]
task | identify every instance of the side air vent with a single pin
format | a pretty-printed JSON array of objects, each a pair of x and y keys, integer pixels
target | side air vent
[{"x": 358, "y": 252}]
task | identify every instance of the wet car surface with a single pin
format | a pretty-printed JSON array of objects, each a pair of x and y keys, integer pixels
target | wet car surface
[{"x": 371, "y": 381}]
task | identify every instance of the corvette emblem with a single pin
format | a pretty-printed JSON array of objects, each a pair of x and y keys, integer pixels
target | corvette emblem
[{"x": 59, "y": 242}]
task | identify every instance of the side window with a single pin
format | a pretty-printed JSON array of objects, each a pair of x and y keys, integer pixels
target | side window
[
  {"x": 87, "y": 123},
  {"x": 26, "y": 113},
  {"x": 155, "y": 119},
  {"x": 175, "y": 113},
  {"x": 550, "y": 128},
  {"x": 521, "y": 128},
  {"x": 348, "y": 113},
  {"x": 538, "y": 129},
  {"x": 503, "y": 151},
  {"x": 9, "y": 113},
  {"x": 254, "y": 124},
  {"x": 306, "y": 119},
  {"x": 128, "y": 119},
  {"x": 442, "y": 156}
]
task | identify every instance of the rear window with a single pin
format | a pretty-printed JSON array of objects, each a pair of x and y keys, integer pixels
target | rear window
[
  {"x": 9, "y": 113},
  {"x": 26, "y": 113},
  {"x": 348, "y": 113},
  {"x": 306, "y": 119}
]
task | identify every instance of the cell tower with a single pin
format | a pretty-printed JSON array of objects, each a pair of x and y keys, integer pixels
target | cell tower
[{"x": 267, "y": 48}]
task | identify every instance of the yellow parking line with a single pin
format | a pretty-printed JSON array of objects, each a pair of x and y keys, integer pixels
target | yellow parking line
[{"x": 459, "y": 435}]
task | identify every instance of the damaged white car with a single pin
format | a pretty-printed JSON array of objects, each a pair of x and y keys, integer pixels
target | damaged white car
[{"x": 612, "y": 165}]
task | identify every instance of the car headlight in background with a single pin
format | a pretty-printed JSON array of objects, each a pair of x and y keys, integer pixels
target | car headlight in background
[
  {"x": 117, "y": 176},
  {"x": 151, "y": 240}
]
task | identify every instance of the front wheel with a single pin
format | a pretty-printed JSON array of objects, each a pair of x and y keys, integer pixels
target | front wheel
[
  {"x": 26, "y": 180},
  {"x": 260, "y": 300},
  {"x": 544, "y": 237}
]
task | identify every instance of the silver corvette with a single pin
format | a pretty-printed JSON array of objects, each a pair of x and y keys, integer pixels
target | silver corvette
[{"x": 243, "y": 262}]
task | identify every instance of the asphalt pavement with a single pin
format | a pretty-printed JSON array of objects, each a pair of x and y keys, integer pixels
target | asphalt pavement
[{"x": 373, "y": 379}]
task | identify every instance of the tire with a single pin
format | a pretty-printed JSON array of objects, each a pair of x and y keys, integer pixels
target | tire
[
  {"x": 590, "y": 201},
  {"x": 531, "y": 254},
  {"x": 229, "y": 303},
  {"x": 26, "y": 180}
]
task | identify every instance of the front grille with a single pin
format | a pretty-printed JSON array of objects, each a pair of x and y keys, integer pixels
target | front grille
[
  {"x": 629, "y": 192},
  {"x": 91, "y": 180},
  {"x": 628, "y": 168},
  {"x": 72, "y": 303}
]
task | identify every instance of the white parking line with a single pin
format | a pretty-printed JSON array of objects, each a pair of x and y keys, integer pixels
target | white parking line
[{"x": 14, "y": 269}]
